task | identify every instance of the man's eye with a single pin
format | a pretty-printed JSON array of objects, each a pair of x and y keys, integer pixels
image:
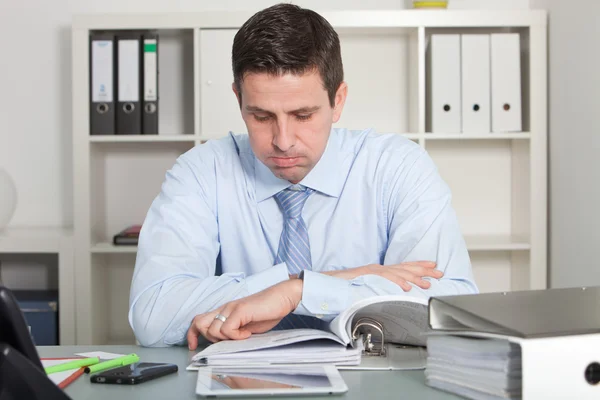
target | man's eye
[
  {"x": 261, "y": 118},
  {"x": 305, "y": 117}
]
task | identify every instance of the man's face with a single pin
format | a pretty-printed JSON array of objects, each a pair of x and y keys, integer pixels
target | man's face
[{"x": 289, "y": 119}]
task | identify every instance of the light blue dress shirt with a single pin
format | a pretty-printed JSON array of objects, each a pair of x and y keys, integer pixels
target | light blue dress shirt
[{"x": 212, "y": 233}]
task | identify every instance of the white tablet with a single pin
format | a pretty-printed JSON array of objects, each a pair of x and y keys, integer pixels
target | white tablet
[{"x": 267, "y": 381}]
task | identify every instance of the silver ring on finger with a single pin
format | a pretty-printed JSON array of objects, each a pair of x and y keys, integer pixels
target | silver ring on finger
[{"x": 221, "y": 317}]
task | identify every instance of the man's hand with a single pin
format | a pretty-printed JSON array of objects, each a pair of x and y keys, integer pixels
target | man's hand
[
  {"x": 257, "y": 313},
  {"x": 401, "y": 274}
]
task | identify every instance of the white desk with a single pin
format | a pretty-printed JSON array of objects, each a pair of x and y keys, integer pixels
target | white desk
[{"x": 362, "y": 385}]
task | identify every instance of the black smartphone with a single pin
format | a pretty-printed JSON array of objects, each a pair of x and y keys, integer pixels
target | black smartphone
[{"x": 134, "y": 373}]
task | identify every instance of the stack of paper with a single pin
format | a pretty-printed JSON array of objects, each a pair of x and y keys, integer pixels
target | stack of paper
[
  {"x": 475, "y": 368},
  {"x": 301, "y": 346}
]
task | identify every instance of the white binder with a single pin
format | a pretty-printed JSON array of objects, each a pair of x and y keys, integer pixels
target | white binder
[
  {"x": 445, "y": 83},
  {"x": 506, "y": 82},
  {"x": 475, "y": 70},
  {"x": 556, "y": 337},
  {"x": 560, "y": 367}
]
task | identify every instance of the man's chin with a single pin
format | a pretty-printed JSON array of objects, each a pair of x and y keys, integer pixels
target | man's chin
[{"x": 293, "y": 174}]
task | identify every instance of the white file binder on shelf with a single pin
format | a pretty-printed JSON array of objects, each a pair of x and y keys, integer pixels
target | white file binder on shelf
[
  {"x": 506, "y": 82},
  {"x": 518, "y": 345},
  {"x": 475, "y": 72},
  {"x": 445, "y": 83}
]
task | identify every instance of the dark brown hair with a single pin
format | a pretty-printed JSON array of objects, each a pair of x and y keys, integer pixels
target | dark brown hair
[{"x": 285, "y": 38}]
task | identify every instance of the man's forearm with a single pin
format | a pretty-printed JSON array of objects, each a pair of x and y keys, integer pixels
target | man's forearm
[
  {"x": 160, "y": 315},
  {"x": 326, "y": 296}
]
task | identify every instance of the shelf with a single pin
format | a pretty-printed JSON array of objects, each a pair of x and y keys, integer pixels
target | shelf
[
  {"x": 474, "y": 243},
  {"x": 412, "y": 136},
  {"x": 477, "y": 136},
  {"x": 109, "y": 248},
  {"x": 142, "y": 138},
  {"x": 497, "y": 179},
  {"x": 496, "y": 243},
  {"x": 33, "y": 240}
]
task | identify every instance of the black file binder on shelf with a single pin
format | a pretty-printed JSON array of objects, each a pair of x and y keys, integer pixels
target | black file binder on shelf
[
  {"x": 150, "y": 80},
  {"x": 102, "y": 94},
  {"x": 377, "y": 333},
  {"x": 128, "y": 113}
]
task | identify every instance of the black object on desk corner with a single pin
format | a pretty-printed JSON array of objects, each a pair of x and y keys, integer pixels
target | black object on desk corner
[
  {"x": 22, "y": 375},
  {"x": 134, "y": 374}
]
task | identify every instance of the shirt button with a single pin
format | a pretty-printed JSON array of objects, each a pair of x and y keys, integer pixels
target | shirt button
[{"x": 324, "y": 306}]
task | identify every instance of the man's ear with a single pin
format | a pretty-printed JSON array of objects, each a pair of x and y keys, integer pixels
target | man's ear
[
  {"x": 238, "y": 94},
  {"x": 340, "y": 100}
]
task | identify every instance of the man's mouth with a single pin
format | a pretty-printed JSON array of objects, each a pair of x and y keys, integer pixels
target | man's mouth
[{"x": 285, "y": 162}]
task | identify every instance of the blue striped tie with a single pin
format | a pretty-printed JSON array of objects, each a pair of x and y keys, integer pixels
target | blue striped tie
[{"x": 294, "y": 247}]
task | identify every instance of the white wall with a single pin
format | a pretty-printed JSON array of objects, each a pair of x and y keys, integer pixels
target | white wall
[
  {"x": 574, "y": 88},
  {"x": 35, "y": 80}
]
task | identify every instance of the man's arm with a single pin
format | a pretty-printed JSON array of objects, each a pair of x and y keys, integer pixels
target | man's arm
[
  {"x": 422, "y": 225},
  {"x": 174, "y": 277}
]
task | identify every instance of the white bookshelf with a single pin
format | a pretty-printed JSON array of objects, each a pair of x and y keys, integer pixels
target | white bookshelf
[
  {"x": 58, "y": 241},
  {"x": 498, "y": 180}
]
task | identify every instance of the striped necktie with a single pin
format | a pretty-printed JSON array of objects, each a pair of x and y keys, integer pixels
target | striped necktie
[{"x": 294, "y": 248}]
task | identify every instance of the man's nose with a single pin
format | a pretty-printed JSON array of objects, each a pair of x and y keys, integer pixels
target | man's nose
[{"x": 283, "y": 137}]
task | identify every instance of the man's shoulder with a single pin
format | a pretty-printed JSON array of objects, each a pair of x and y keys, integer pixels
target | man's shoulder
[
  {"x": 370, "y": 143},
  {"x": 232, "y": 145}
]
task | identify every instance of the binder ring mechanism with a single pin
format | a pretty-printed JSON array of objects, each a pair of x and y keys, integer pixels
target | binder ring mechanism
[
  {"x": 150, "y": 108},
  {"x": 128, "y": 108},
  {"x": 102, "y": 108},
  {"x": 366, "y": 327}
]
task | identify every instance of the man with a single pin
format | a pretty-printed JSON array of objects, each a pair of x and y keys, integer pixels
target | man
[{"x": 287, "y": 226}]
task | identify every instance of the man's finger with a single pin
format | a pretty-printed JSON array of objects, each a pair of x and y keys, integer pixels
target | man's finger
[
  {"x": 234, "y": 327},
  {"x": 427, "y": 264},
  {"x": 422, "y": 271},
  {"x": 424, "y": 264},
  {"x": 405, "y": 286},
  {"x": 402, "y": 282},
  {"x": 214, "y": 329},
  {"x": 203, "y": 323},
  {"x": 192, "y": 336}
]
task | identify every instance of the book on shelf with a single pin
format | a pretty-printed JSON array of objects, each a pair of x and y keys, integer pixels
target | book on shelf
[
  {"x": 128, "y": 236},
  {"x": 381, "y": 332},
  {"x": 478, "y": 344}
]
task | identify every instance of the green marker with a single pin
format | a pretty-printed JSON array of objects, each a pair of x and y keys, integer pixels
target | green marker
[
  {"x": 84, "y": 362},
  {"x": 117, "y": 362}
]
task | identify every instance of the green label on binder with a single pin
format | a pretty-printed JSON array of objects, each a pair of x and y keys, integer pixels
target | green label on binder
[{"x": 149, "y": 47}]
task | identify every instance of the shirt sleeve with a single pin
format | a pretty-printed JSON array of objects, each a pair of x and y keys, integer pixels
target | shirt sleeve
[
  {"x": 174, "y": 277},
  {"x": 422, "y": 226}
]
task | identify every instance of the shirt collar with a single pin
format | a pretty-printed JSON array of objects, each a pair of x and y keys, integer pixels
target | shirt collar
[{"x": 324, "y": 177}]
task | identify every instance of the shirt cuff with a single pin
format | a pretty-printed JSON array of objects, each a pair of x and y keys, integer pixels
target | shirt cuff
[
  {"x": 267, "y": 278},
  {"x": 323, "y": 296}
]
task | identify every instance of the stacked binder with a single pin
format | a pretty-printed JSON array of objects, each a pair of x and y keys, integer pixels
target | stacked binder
[
  {"x": 513, "y": 345},
  {"x": 124, "y": 83},
  {"x": 475, "y": 368},
  {"x": 475, "y": 83}
]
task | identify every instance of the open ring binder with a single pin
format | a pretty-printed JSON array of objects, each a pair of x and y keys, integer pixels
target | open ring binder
[{"x": 371, "y": 347}]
